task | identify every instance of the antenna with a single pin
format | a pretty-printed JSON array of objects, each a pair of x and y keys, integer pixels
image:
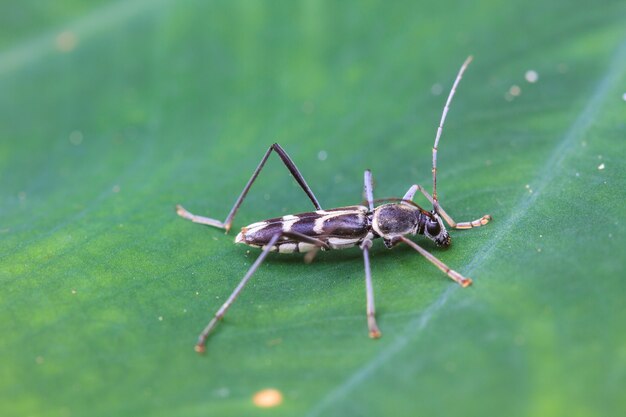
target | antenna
[{"x": 440, "y": 129}]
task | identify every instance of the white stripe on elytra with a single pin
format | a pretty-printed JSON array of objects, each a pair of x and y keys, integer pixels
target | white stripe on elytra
[
  {"x": 288, "y": 222},
  {"x": 347, "y": 210},
  {"x": 336, "y": 241},
  {"x": 254, "y": 227},
  {"x": 319, "y": 223}
]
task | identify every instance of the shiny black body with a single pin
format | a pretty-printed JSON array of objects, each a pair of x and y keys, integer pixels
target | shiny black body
[{"x": 341, "y": 228}]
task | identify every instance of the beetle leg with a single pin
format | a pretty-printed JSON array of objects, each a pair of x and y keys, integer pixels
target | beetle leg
[
  {"x": 462, "y": 225},
  {"x": 226, "y": 224},
  {"x": 201, "y": 345},
  {"x": 460, "y": 279},
  {"x": 369, "y": 292}
]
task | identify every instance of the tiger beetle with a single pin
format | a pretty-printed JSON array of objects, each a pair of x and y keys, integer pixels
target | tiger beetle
[{"x": 343, "y": 227}]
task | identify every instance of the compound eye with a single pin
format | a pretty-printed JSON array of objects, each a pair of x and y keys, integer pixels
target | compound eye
[{"x": 433, "y": 228}]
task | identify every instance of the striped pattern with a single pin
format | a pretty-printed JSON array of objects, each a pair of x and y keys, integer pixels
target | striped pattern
[{"x": 339, "y": 228}]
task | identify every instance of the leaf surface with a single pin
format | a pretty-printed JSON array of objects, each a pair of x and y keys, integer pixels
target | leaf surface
[{"x": 112, "y": 113}]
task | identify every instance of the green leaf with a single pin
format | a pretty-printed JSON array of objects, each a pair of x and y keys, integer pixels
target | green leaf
[{"x": 112, "y": 113}]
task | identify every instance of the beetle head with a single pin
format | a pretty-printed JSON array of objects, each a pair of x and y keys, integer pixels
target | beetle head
[{"x": 436, "y": 231}]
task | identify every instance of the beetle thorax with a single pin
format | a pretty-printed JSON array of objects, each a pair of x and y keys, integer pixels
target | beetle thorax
[{"x": 393, "y": 220}]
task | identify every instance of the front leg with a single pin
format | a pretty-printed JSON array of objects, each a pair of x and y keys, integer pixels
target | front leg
[
  {"x": 458, "y": 278},
  {"x": 462, "y": 225}
]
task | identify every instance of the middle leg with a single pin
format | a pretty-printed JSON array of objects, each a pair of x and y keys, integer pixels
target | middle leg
[
  {"x": 365, "y": 247},
  {"x": 374, "y": 332},
  {"x": 368, "y": 189}
]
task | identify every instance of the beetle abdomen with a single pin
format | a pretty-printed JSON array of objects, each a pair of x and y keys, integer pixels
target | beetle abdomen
[{"x": 338, "y": 228}]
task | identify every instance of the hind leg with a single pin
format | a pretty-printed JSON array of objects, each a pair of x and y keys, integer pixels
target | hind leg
[{"x": 226, "y": 224}]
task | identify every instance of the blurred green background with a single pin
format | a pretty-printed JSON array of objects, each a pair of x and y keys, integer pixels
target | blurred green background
[{"x": 113, "y": 112}]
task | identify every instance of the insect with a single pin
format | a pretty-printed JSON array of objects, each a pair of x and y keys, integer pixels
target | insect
[{"x": 343, "y": 227}]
